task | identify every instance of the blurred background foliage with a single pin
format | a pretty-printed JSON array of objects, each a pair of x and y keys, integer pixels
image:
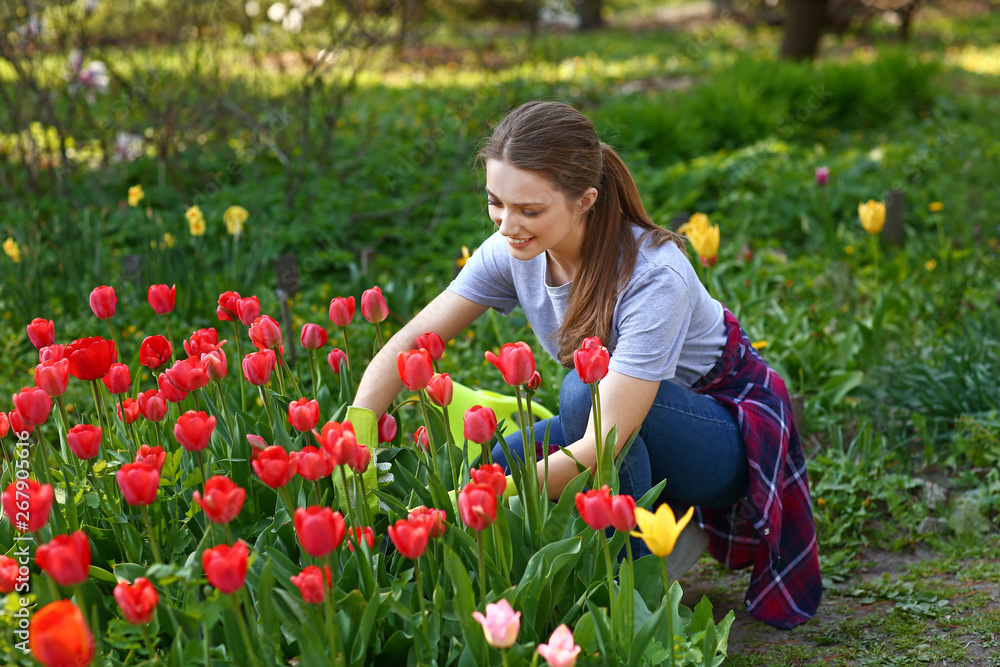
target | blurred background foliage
[{"x": 347, "y": 129}]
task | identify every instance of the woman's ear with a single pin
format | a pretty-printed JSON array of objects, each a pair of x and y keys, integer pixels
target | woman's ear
[{"x": 588, "y": 199}]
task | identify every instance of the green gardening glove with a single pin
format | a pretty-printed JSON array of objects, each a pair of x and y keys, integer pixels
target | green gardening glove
[{"x": 365, "y": 425}]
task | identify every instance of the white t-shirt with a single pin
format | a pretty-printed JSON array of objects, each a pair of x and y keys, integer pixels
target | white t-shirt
[{"x": 665, "y": 325}]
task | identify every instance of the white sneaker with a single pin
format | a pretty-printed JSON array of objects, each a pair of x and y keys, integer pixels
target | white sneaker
[{"x": 691, "y": 544}]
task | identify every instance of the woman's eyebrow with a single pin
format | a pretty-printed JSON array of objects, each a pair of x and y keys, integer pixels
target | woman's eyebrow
[{"x": 536, "y": 203}]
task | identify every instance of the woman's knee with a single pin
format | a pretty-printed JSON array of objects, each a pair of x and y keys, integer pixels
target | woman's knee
[{"x": 574, "y": 406}]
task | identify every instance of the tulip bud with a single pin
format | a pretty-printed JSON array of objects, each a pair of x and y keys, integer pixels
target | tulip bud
[
  {"x": 500, "y": 624},
  {"x": 516, "y": 363},
  {"x": 409, "y": 537},
  {"x": 41, "y": 333},
  {"x": 440, "y": 389},
  {"x": 118, "y": 379},
  {"x": 265, "y": 333},
  {"x": 102, "y": 302},
  {"x": 226, "y": 567},
  {"x": 312, "y": 463},
  {"x": 84, "y": 440},
  {"x": 128, "y": 410},
  {"x": 39, "y": 498},
  {"x": 59, "y": 635},
  {"x": 477, "y": 506},
  {"x": 222, "y": 501},
  {"x": 415, "y": 368},
  {"x": 137, "y": 601},
  {"x": 248, "y": 310},
  {"x": 313, "y": 336},
  {"x": 161, "y": 298},
  {"x": 373, "y": 306},
  {"x": 480, "y": 424},
  {"x": 138, "y": 483},
  {"x": 432, "y": 343},
  {"x": 66, "y": 558},
  {"x": 320, "y": 530},
  {"x": 387, "y": 429},
  {"x": 342, "y": 311},
  {"x": 335, "y": 359},
  {"x": 311, "y": 583},
  {"x": 227, "y": 310},
  {"x": 154, "y": 352},
  {"x": 193, "y": 430}
]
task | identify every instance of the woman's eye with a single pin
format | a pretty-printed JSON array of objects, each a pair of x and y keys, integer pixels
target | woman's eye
[
  {"x": 490, "y": 202},
  {"x": 532, "y": 214}
]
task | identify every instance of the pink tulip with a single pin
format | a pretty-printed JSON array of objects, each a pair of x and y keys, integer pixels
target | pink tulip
[
  {"x": 561, "y": 651},
  {"x": 500, "y": 624}
]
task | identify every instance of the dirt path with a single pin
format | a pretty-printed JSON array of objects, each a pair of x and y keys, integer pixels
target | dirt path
[{"x": 900, "y": 609}]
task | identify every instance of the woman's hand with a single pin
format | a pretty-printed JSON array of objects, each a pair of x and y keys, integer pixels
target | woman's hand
[{"x": 625, "y": 402}]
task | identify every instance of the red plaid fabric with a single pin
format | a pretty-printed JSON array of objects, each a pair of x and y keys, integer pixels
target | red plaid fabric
[{"x": 772, "y": 527}]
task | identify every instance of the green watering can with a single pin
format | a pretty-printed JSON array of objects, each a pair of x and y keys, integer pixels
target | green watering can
[{"x": 505, "y": 408}]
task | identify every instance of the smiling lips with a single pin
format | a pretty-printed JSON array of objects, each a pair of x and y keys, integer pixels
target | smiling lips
[{"x": 518, "y": 242}]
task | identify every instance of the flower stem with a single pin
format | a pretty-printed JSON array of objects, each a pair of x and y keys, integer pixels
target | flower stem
[
  {"x": 312, "y": 374},
  {"x": 630, "y": 593},
  {"x": 482, "y": 572},
  {"x": 432, "y": 453},
  {"x": 243, "y": 629},
  {"x": 170, "y": 335},
  {"x": 347, "y": 349},
  {"x": 331, "y": 613},
  {"x": 152, "y": 537},
  {"x": 239, "y": 354},
  {"x": 611, "y": 580},
  {"x": 670, "y": 611}
]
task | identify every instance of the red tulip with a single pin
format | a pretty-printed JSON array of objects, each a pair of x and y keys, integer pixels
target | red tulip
[
  {"x": 4, "y": 424},
  {"x": 410, "y": 538},
  {"x": 313, "y": 336},
  {"x": 169, "y": 389},
  {"x": 421, "y": 440},
  {"x": 154, "y": 352},
  {"x": 33, "y": 404},
  {"x": 228, "y": 308},
  {"x": 193, "y": 430},
  {"x": 335, "y": 359},
  {"x": 362, "y": 459},
  {"x": 17, "y": 424},
  {"x": 313, "y": 463},
  {"x": 303, "y": 414},
  {"x": 248, "y": 309},
  {"x": 223, "y": 499},
  {"x": 53, "y": 376},
  {"x": 161, "y": 298},
  {"x": 27, "y": 504},
  {"x": 138, "y": 483},
  {"x": 84, "y": 440},
  {"x": 117, "y": 379},
  {"x": 591, "y": 360},
  {"x": 102, "y": 302},
  {"x": 373, "y": 306},
  {"x": 265, "y": 333},
  {"x": 154, "y": 456},
  {"x": 516, "y": 363},
  {"x": 440, "y": 389},
  {"x": 359, "y": 533},
  {"x": 431, "y": 342},
  {"x": 128, "y": 410},
  {"x": 491, "y": 475},
  {"x": 137, "y": 601},
  {"x": 90, "y": 358},
  {"x": 320, "y": 530},
  {"x": 274, "y": 467},
  {"x": 432, "y": 518},
  {"x": 480, "y": 424},
  {"x": 226, "y": 567},
  {"x": 342, "y": 310},
  {"x": 477, "y": 506},
  {"x": 534, "y": 382},
  {"x": 415, "y": 368},
  {"x": 41, "y": 333},
  {"x": 595, "y": 507},
  {"x": 189, "y": 374},
  {"x": 257, "y": 445},
  {"x": 216, "y": 365},
  {"x": 51, "y": 353},
  {"x": 387, "y": 429},
  {"x": 66, "y": 558},
  {"x": 311, "y": 585},
  {"x": 152, "y": 405},
  {"x": 623, "y": 513},
  {"x": 8, "y": 574},
  {"x": 202, "y": 341},
  {"x": 258, "y": 366},
  {"x": 340, "y": 441},
  {"x": 60, "y": 637}
]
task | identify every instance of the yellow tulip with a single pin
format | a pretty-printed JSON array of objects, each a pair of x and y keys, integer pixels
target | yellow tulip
[
  {"x": 872, "y": 214},
  {"x": 930, "y": 264},
  {"x": 660, "y": 531},
  {"x": 704, "y": 237},
  {"x": 460, "y": 262},
  {"x": 697, "y": 222},
  {"x": 12, "y": 249},
  {"x": 759, "y": 345},
  {"x": 135, "y": 195},
  {"x": 234, "y": 217}
]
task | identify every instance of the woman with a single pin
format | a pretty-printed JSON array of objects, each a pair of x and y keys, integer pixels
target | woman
[{"x": 577, "y": 251}]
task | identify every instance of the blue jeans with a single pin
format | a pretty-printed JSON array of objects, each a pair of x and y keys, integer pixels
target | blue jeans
[{"x": 687, "y": 439}]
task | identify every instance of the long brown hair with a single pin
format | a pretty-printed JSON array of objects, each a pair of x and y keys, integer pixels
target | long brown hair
[{"x": 560, "y": 143}]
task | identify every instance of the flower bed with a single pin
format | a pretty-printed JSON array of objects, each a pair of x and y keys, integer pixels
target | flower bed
[{"x": 195, "y": 523}]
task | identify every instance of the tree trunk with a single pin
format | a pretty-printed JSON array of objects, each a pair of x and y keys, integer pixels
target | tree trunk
[
  {"x": 804, "y": 21},
  {"x": 589, "y": 12}
]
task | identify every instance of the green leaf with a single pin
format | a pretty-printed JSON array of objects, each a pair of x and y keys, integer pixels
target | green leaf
[
  {"x": 605, "y": 642},
  {"x": 465, "y": 604}
]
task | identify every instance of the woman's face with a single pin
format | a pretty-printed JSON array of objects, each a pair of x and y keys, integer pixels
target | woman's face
[{"x": 533, "y": 215}]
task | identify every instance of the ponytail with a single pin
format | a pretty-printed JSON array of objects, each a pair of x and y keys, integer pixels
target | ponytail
[{"x": 558, "y": 142}]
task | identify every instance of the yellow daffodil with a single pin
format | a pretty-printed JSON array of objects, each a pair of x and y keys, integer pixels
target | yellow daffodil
[
  {"x": 460, "y": 262},
  {"x": 872, "y": 214},
  {"x": 12, "y": 249},
  {"x": 135, "y": 195},
  {"x": 930, "y": 264},
  {"x": 169, "y": 240},
  {"x": 935, "y": 207},
  {"x": 759, "y": 345},
  {"x": 849, "y": 249},
  {"x": 196, "y": 221},
  {"x": 660, "y": 531},
  {"x": 704, "y": 238},
  {"x": 234, "y": 217}
]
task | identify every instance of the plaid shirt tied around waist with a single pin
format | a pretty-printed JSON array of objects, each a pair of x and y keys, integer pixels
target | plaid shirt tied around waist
[{"x": 772, "y": 527}]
